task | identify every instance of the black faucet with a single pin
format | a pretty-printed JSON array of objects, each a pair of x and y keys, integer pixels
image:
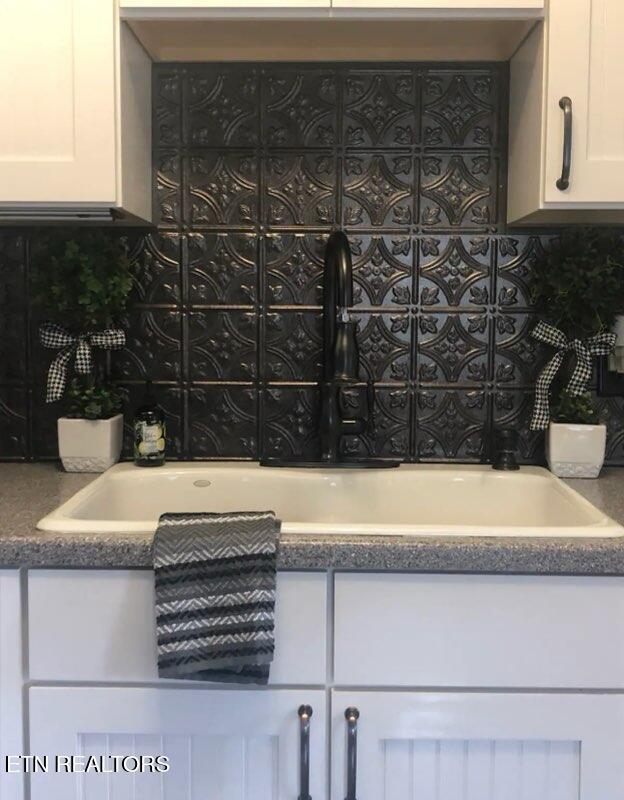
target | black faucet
[
  {"x": 342, "y": 409},
  {"x": 347, "y": 402}
]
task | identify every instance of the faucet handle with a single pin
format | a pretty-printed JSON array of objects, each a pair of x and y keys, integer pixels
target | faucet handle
[
  {"x": 342, "y": 314},
  {"x": 349, "y": 400},
  {"x": 357, "y": 403}
]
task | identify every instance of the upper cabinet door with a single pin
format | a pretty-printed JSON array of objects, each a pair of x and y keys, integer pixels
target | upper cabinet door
[
  {"x": 478, "y": 7},
  {"x": 57, "y": 90},
  {"x": 566, "y": 117},
  {"x": 585, "y": 64}
]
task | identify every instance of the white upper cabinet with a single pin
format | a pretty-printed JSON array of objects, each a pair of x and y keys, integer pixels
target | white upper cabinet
[
  {"x": 58, "y": 141},
  {"x": 566, "y": 148},
  {"x": 469, "y": 7},
  {"x": 190, "y": 6},
  {"x": 75, "y": 90},
  {"x": 586, "y": 64}
]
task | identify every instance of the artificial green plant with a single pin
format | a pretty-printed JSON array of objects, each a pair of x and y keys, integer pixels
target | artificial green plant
[
  {"x": 577, "y": 285},
  {"x": 81, "y": 279}
]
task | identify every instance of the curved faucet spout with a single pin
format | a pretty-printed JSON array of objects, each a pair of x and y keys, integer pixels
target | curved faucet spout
[
  {"x": 347, "y": 402},
  {"x": 341, "y": 412},
  {"x": 337, "y": 299}
]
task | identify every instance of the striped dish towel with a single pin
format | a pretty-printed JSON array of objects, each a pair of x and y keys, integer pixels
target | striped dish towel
[{"x": 215, "y": 595}]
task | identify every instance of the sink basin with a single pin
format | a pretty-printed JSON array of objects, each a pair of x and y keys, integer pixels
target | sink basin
[{"x": 415, "y": 499}]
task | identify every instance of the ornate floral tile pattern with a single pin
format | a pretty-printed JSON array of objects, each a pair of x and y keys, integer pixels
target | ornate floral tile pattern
[{"x": 254, "y": 165}]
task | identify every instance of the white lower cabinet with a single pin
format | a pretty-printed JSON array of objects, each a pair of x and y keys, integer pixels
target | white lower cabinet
[
  {"x": 222, "y": 744},
  {"x": 247, "y": 744},
  {"x": 476, "y": 746},
  {"x": 464, "y": 688}
]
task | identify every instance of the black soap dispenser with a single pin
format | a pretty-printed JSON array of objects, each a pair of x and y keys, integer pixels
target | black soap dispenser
[{"x": 150, "y": 435}]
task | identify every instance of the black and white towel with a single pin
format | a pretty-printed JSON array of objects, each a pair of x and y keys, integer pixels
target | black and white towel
[{"x": 215, "y": 595}]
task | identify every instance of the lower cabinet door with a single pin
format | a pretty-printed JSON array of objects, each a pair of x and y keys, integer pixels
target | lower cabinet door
[
  {"x": 460, "y": 746},
  {"x": 233, "y": 744}
]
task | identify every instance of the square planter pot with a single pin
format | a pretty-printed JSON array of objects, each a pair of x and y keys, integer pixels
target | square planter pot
[
  {"x": 87, "y": 445},
  {"x": 576, "y": 451}
]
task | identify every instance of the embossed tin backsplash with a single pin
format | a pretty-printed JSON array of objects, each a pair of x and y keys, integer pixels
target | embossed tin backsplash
[{"x": 254, "y": 165}]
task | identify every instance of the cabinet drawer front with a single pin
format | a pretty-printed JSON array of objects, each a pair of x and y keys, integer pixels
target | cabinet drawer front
[
  {"x": 99, "y": 626},
  {"x": 479, "y": 631}
]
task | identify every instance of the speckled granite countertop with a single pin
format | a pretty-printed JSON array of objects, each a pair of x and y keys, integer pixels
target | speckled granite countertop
[{"x": 29, "y": 491}]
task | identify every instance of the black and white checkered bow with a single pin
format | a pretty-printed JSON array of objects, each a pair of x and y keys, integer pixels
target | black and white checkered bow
[
  {"x": 599, "y": 345},
  {"x": 78, "y": 347}
]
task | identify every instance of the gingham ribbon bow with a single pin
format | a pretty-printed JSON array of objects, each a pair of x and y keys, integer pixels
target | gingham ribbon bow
[
  {"x": 599, "y": 345},
  {"x": 79, "y": 347}
]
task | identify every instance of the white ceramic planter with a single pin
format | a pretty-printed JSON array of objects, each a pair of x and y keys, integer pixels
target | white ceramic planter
[
  {"x": 87, "y": 445},
  {"x": 576, "y": 451}
]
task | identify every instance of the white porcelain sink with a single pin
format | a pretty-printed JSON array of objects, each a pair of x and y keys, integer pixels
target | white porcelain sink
[{"x": 419, "y": 500}]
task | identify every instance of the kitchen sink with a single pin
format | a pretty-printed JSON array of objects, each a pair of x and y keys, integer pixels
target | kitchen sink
[{"x": 415, "y": 499}]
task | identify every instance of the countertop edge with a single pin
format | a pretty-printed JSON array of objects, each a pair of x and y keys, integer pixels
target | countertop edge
[
  {"x": 30, "y": 491},
  {"x": 502, "y": 555}
]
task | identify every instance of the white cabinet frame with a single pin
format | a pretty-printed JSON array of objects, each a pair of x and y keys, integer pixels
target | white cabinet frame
[{"x": 11, "y": 681}]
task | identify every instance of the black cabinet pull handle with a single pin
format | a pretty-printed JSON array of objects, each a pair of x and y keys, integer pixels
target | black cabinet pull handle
[
  {"x": 564, "y": 181},
  {"x": 351, "y": 715},
  {"x": 305, "y": 713}
]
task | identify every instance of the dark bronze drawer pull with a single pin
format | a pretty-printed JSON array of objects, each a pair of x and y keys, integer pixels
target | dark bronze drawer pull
[
  {"x": 564, "y": 181},
  {"x": 351, "y": 715},
  {"x": 305, "y": 713}
]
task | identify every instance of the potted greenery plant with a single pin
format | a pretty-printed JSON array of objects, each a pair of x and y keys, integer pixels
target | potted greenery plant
[
  {"x": 576, "y": 440},
  {"x": 81, "y": 281},
  {"x": 578, "y": 289},
  {"x": 91, "y": 433}
]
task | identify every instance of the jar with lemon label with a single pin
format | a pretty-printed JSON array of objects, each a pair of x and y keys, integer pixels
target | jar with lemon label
[{"x": 150, "y": 436}]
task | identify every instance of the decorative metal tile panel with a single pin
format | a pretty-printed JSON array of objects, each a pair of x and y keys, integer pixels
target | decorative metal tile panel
[
  {"x": 294, "y": 268},
  {"x": 300, "y": 107},
  {"x": 223, "y": 345},
  {"x": 13, "y": 309},
  {"x": 380, "y": 108},
  {"x": 460, "y": 108},
  {"x": 254, "y": 165},
  {"x": 300, "y": 189}
]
